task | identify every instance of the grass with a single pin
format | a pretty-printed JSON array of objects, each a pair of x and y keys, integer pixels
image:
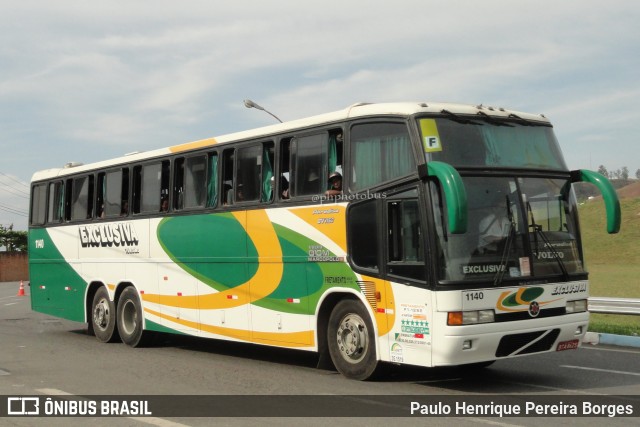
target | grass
[{"x": 613, "y": 262}]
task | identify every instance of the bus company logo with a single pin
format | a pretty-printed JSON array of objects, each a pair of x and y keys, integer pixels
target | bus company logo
[
  {"x": 524, "y": 299},
  {"x": 534, "y": 309},
  {"x": 107, "y": 235}
]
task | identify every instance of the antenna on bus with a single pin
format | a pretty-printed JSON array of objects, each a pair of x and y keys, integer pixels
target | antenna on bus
[{"x": 250, "y": 104}]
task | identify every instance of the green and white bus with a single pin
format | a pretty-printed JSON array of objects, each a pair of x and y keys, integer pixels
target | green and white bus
[{"x": 452, "y": 238}]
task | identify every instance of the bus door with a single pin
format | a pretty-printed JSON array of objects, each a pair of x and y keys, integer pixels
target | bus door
[
  {"x": 386, "y": 242},
  {"x": 404, "y": 259}
]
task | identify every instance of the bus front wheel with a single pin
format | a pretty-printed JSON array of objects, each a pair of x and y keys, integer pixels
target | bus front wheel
[
  {"x": 103, "y": 316},
  {"x": 130, "y": 318},
  {"x": 351, "y": 340}
]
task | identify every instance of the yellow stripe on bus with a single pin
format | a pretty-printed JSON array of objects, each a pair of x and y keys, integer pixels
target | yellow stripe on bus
[
  {"x": 193, "y": 145},
  {"x": 285, "y": 339}
]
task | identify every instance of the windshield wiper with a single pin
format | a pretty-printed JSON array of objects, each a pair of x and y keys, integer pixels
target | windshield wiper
[
  {"x": 538, "y": 232},
  {"x": 492, "y": 121},
  {"x": 504, "y": 260},
  {"x": 458, "y": 118}
]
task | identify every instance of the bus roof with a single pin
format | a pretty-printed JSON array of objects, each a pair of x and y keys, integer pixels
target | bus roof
[{"x": 353, "y": 111}]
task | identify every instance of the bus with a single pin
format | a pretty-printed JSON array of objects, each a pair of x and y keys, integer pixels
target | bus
[{"x": 404, "y": 233}]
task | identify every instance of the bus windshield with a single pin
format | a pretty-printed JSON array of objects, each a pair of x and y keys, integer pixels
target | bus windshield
[
  {"x": 463, "y": 142},
  {"x": 519, "y": 227}
]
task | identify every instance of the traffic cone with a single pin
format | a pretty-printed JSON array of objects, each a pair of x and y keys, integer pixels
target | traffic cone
[{"x": 21, "y": 290}]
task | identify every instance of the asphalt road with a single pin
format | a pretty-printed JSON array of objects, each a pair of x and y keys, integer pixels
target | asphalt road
[{"x": 42, "y": 355}]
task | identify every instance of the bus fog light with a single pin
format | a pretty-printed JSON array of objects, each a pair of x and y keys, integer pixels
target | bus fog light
[
  {"x": 577, "y": 306},
  {"x": 466, "y": 345},
  {"x": 469, "y": 317},
  {"x": 486, "y": 316}
]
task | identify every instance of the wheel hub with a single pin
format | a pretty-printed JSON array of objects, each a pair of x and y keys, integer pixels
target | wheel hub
[
  {"x": 101, "y": 314},
  {"x": 352, "y": 338}
]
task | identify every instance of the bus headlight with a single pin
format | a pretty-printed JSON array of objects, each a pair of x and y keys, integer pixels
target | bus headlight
[
  {"x": 576, "y": 306},
  {"x": 457, "y": 318}
]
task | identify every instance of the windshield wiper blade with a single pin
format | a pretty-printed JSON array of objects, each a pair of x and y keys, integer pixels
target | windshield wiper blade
[
  {"x": 458, "y": 118},
  {"x": 504, "y": 260},
  {"x": 492, "y": 120},
  {"x": 538, "y": 232}
]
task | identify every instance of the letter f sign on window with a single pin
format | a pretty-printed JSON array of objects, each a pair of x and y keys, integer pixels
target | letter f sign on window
[{"x": 431, "y": 144}]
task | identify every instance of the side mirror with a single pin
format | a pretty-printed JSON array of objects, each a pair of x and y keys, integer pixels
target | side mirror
[
  {"x": 611, "y": 202},
  {"x": 454, "y": 193}
]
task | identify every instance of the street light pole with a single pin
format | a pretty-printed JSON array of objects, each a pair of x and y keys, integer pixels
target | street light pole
[{"x": 250, "y": 104}]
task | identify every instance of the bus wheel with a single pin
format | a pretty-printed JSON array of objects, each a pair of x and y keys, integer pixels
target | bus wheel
[
  {"x": 130, "y": 318},
  {"x": 103, "y": 317},
  {"x": 351, "y": 340}
]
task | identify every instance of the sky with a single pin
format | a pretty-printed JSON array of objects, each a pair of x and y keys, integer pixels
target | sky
[{"x": 86, "y": 81}]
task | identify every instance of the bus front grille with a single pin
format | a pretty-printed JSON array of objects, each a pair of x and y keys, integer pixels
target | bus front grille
[{"x": 526, "y": 343}]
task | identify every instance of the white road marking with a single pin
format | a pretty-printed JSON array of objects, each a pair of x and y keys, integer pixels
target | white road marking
[{"x": 609, "y": 371}]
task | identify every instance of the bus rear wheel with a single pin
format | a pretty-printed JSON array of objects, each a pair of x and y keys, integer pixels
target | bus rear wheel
[
  {"x": 351, "y": 340},
  {"x": 130, "y": 325},
  {"x": 103, "y": 317}
]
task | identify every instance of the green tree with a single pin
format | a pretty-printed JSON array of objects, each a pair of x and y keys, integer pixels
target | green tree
[
  {"x": 603, "y": 171},
  {"x": 13, "y": 241},
  {"x": 625, "y": 173},
  {"x": 638, "y": 174}
]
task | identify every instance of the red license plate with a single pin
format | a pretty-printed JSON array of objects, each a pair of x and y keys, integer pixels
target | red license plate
[{"x": 568, "y": 345}]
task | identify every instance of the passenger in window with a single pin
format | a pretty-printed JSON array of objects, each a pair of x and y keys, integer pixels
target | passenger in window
[
  {"x": 335, "y": 185},
  {"x": 495, "y": 226},
  {"x": 284, "y": 187},
  {"x": 125, "y": 208},
  {"x": 164, "y": 204},
  {"x": 240, "y": 193}
]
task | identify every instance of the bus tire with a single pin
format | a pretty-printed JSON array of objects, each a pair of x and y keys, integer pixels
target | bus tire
[
  {"x": 351, "y": 340},
  {"x": 130, "y": 324},
  {"x": 103, "y": 317}
]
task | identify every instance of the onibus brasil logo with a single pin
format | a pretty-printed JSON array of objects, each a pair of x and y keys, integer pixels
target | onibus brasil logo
[{"x": 524, "y": 299}]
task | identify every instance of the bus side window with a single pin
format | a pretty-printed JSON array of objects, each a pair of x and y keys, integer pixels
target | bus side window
[
  {"x": 405, "y": 255},
  {"x": 284, "y": 171},
  {"x": 267, "y": 179},
  {"x": 189, "y": 182},
  {"x": 195, "y": 182},
  {"x": 82, "y": 198},
  {"x": 227, "y": 176},
  {"x": 38, "y": 203},
  {"x": 100, "y": 195},
  {"x": 362, "y": 235},
  {"x": 113, "y": 188},
  {"x": 56, "y": 202},
  {"x": 380, "y": 152},
  {"x": 151, "y": 188},
  {"x": 212, "y": 181},
  {"x": 247, "y": 182},
  {"x": 178, "y": 183},
  {"x": 309, "y": 165}
]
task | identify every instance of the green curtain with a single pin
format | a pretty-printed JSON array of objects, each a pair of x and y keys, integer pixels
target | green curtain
[
  {"x": 60, "y": 202},
  {"x": 382, "y": 159},
  {"x": 212, "y": 186},
  {"x": 333, "y": 154},
  {"x": 267, "y": 174},
  {"x": 518, "y": 146}
]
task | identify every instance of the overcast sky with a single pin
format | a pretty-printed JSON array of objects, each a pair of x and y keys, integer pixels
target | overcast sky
[{"x": 90, "y": 80}]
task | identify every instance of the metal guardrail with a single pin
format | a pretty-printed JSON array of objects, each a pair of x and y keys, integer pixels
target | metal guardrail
[{"x": 614, "y": 305}]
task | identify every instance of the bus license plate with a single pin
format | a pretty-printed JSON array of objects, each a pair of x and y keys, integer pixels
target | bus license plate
[{"x": 568, "y": 345}]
